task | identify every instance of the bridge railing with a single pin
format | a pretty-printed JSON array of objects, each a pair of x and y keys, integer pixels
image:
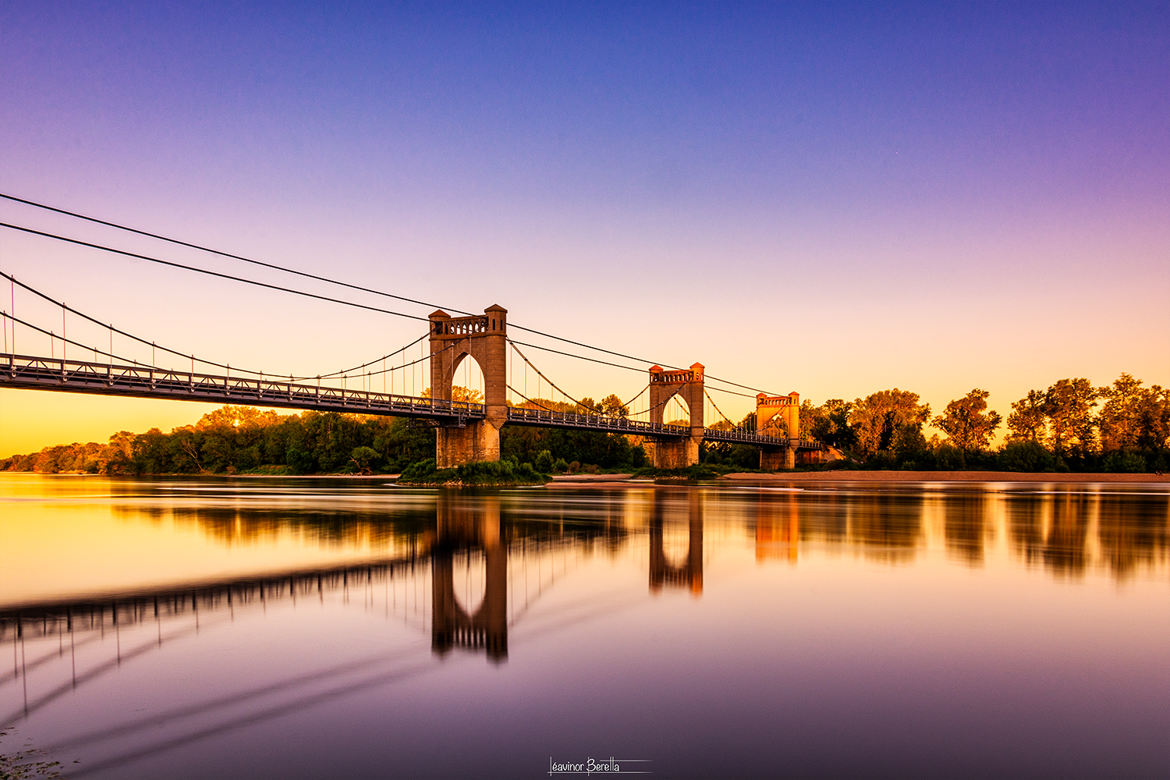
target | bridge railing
[
  {"x": 594, "y": 422},
  {"x": 751, "y": 437},
  {"x": 151, "y": 381}
]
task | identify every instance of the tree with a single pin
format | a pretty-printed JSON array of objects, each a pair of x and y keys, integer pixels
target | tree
[
  {"x": 363, "y": 459},
  {"x": 401, "y": 443},
  {"x": 612, "y": 406},
  {"x": 150, "y": 452},
  {"x": 460, "y": 393},
  {"x": 120, "y": 458},
  {"x": 1028, "y": 420},
  {"x": 967, "y": 422},
  {"x": 908, "y": 445},
  {"x": 828, "y": 423},
  {"x": 1154, "y": 419},
  {"x": 1068, "y": 405},
  {"x": 878, "y": 417},
  {"x": 1120, "y": 419}
]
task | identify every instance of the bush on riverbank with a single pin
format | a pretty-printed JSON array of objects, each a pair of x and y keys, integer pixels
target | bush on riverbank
[
  {"x": 481, "y": 474},
  {"x": 698, "y": 471}
]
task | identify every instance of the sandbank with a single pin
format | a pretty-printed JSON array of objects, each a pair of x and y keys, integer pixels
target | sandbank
[{"x": 843, "y": 475}]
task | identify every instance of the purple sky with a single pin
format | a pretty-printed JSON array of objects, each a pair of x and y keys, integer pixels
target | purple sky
[{"x": 833, "y": 199}]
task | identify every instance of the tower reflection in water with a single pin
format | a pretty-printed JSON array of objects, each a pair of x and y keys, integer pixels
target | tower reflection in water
[
  {"x": 689, "y": 573},
  {"x": 464, "y": 527}
]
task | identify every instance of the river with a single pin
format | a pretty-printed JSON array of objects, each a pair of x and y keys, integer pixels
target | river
[{"x": 349, "y": 628}]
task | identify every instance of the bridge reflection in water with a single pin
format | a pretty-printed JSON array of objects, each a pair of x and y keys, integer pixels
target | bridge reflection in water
[
  {"x": 466, "y": 577},
  {"x": 466, "y": 531}
]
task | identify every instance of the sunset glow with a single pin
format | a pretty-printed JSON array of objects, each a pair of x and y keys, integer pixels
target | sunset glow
[{"x": 832, "y": 200}]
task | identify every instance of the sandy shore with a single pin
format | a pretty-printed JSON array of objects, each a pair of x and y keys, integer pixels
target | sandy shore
[{"x": 943, "y": 476}]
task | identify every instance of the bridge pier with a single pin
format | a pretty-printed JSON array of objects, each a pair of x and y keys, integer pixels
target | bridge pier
[
  {"x": 772, "y": 459},
  {"x": 677, "y": 453},
  {"x": 478, "y": 440},
  {"x": 674, "y": 453}
]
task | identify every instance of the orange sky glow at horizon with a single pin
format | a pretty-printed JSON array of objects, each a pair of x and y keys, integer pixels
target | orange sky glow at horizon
[{"x": 829, "y": 203}]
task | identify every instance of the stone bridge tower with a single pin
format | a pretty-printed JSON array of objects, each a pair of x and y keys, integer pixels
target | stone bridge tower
[
  {"x": 677, "y": 453},
  {"x": 484, "y": 339},
  {"x": 786, "y": 408}
]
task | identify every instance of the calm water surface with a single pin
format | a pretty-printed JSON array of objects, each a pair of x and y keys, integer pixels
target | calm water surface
[{"x": 269, "y": 628}]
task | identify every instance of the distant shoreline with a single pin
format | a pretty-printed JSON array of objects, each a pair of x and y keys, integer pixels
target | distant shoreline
[{"x": 618, "y": 480}]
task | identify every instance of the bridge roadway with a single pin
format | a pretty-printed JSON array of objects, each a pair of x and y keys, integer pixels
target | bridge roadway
[{"x": 139, "y": 381}]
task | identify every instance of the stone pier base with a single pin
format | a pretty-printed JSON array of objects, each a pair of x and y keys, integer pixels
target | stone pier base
[
  {"x": 480, "y": 440},
  {"x": 777, "y": 460},
  {"x": 674, "y": 453}
]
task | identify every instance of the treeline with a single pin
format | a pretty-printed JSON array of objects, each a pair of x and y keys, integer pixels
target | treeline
[
  {"x": 245, "y": 440},
  {"x": 1070, "y": 426}
]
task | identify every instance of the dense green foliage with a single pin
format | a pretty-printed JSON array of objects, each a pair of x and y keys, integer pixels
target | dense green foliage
[
  {"x": 240, "y": 439},
  {"x": 245, "y": 440},
  {"x": 741, "y": 457},
  {"x": 1057, "y": 429},
  {"x": 608, "y": 451}
]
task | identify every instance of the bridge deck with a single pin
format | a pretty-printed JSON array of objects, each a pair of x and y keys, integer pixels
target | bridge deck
[
  {"x": 39, "y": 373},
  {"x": 76, "y": 376}
]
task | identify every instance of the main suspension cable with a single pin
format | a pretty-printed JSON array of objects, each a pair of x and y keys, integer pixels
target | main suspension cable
[
  {"x": 532, "y": 401},
  {"x": 219, "y": 252},
  {"x": 184, "y": 355},
  {"x": 545, "y": 378},
  {"x": 218, "y": 274},
  {"x": 327, "y": 280},
  {"x": 712, "y": 400}
]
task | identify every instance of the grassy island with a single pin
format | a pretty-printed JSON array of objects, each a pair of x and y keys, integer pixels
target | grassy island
[
  {"x": 481, "y": 474},
  {"x": 690, "y": 473}
]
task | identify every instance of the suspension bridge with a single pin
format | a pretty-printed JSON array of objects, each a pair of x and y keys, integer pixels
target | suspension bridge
[{"x": 669, "y": 413}]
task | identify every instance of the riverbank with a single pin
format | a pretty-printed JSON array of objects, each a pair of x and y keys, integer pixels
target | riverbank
[{"x": 626, "y": 479}]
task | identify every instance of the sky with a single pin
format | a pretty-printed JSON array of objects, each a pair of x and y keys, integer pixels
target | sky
[{"x": 831, "y": 198}]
